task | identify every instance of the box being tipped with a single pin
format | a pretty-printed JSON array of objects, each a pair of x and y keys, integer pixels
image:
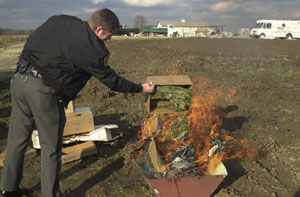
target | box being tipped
[{"x": 176, "y": 80}]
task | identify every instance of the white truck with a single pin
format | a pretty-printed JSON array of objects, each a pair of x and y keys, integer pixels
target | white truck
[
  {"x": 172, "y": 32},
  {"x": 271, "y": 29}
]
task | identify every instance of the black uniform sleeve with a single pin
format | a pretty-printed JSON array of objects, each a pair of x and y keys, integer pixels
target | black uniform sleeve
[{"x": 111, "y": 79}]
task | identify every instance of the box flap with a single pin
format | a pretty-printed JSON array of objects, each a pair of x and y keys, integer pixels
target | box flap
[
  {"x": 155, "y": 158},
  {"x": 170, "y": 80}
]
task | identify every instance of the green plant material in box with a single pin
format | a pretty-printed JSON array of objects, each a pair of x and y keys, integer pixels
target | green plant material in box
[{"x": 176, "y": 98}]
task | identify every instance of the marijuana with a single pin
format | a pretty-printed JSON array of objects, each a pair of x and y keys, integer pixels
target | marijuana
[{"x": 176, "y": 98}]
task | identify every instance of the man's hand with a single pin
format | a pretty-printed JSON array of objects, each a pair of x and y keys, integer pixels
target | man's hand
[{"x": 148, "y": 87}]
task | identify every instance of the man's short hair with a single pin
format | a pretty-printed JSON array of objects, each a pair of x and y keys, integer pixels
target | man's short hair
[{"x": 105, "y": 18}]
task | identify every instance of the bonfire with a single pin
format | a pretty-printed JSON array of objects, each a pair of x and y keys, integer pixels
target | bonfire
[{"x": 189, "y": 143}]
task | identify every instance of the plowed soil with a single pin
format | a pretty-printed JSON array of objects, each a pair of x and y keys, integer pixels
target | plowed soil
[{"x": 266, "y": 111}]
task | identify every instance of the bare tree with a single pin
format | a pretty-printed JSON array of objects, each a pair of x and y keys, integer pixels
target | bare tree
[{"x": 139, "y": 21}]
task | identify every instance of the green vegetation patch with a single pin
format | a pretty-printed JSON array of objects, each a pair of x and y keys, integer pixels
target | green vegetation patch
[{"x": 176, "y": 98}]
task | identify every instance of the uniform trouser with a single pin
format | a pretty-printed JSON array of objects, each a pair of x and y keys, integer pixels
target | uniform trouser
[{"x": 33, "y": 103}]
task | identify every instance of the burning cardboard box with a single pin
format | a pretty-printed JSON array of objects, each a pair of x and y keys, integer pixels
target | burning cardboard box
[
  {"x": 181, "y": 153},
  {"x": 181, "y": 177},
  {"x": 175, "y": 83}
]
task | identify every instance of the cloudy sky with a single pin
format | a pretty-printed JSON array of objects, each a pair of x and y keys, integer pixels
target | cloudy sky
[{"x": 236, "y": 14}]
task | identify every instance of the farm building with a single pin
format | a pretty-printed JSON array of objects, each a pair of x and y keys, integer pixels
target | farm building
[{"x": 185, "y": 28}]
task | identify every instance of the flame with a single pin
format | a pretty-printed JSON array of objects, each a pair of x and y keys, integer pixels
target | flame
[
  {"x": 146, "y": 129},
  {"x": 138, "y": 153},
  {"x": 204, "y": 127}
]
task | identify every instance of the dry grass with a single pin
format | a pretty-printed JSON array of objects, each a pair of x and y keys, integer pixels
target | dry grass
[
  {"x": 9, "y": 56},
  {"x": 10, "y": 48},
  {"x": 9, "y": 39}
]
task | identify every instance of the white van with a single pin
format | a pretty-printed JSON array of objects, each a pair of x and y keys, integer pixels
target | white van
[{"x": 271, "y": 29}]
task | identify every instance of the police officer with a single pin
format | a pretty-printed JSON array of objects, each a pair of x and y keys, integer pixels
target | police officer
[{"x": 58, "y": 59}]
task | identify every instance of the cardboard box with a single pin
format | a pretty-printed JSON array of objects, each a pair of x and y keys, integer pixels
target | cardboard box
[
  {"x": 176, "y": 80},
  {"x": 30, "y": 152},
  {"x": 78, "y": 151},
  {"x": 70, "y": 108},
  {"x": 79, "y": 122}
]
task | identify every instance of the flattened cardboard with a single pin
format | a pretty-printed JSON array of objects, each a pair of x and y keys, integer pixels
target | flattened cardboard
[
  {"x": 78, "y": 151},
  {"x": 79, "y": 122},
  {"x": 176, "y": 80},
  {"x": 30, "y": 152}
]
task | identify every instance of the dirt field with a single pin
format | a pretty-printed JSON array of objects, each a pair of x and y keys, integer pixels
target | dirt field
[{"x": 266, "y": 75}]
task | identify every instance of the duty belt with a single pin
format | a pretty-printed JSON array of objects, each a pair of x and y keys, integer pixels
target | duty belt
[{"x": 24, "y": 66}]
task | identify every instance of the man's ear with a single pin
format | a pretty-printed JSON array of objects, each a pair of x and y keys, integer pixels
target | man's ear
[{"x": 98, "y": 30}]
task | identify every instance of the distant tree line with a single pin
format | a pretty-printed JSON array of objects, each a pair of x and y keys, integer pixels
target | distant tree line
[{"x": 15, "y": 32}]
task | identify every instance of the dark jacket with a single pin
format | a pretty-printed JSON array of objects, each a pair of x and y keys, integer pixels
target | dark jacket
[{"x": 67, "y": 49}]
